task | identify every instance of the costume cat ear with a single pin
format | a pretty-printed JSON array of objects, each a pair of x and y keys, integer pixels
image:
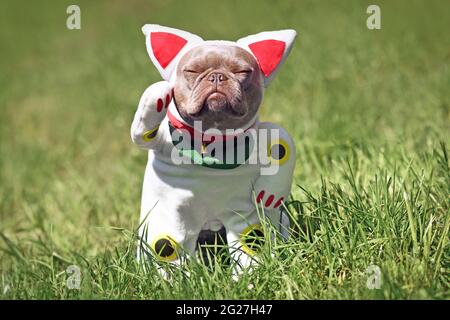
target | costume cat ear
[
  {"x": 166, "y": 46},
  {"x": 270, "y": 50}
]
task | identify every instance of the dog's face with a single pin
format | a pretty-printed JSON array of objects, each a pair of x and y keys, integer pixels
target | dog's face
[{"x": 219, "y": 85}]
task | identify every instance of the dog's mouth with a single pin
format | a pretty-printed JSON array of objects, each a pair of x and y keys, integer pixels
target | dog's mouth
[{"x": 217, "y": 102}]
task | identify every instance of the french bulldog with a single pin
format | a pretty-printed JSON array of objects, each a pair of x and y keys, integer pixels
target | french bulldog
[{"x": 212, "y": 165}]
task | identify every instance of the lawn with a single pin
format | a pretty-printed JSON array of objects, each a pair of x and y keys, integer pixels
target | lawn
[{"x": 369, "y": 111}]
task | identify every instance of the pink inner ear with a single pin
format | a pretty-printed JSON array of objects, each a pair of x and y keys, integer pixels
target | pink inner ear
[
  {"x": 268, "y": 53},
  {"x": 166, "y": 46}
]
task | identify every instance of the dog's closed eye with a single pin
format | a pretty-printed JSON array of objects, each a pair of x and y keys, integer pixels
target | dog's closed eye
[
  {"x": 243, "y": 74},
  {"x": 191, "y": 75},
  {"x": 190, "y": 71},
  {"x": 245, "y": 71}
]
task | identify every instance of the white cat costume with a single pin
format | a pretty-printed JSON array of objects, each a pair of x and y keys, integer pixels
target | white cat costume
[{"x": 208, "y": 190}]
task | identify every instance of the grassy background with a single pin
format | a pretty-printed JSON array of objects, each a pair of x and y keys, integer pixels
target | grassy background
[{"x": 368, "y": 110}]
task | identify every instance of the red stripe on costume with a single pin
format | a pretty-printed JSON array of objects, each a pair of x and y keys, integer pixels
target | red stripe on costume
[
  {"x": 278, "y": 203},
  {"x": 159, "y": 105},
  {"x": 269, "y": 200},
  {"x": 260, "y": 196}
]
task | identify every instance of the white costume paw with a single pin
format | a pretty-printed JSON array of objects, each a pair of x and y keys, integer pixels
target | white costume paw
[{"x": 151, "y": 111}]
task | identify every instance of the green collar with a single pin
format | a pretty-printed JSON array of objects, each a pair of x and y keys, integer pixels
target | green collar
[{"x": 205, "y": 157}]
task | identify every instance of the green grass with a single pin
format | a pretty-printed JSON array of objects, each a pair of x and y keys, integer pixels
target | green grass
[{"x": 368, "y": 110}]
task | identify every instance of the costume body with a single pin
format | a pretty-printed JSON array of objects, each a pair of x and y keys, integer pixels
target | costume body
[
  {"x": 190, "y": 185},
  {"x": 179, "y": 200}
]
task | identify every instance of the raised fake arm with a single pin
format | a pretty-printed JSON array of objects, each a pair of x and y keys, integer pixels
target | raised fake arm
[{"x": 151, "y": 111}]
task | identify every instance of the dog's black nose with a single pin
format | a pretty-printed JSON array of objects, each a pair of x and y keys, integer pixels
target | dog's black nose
[{"x": 217, "y": 77}]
